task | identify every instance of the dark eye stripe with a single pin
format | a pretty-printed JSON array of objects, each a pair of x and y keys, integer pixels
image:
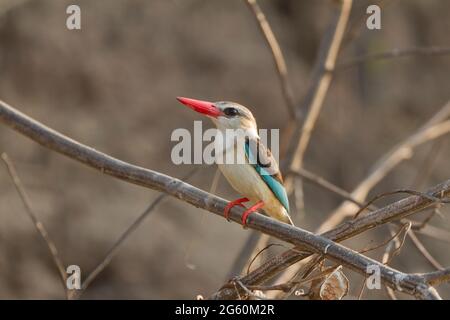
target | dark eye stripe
[{"x": 231, "y": 112}]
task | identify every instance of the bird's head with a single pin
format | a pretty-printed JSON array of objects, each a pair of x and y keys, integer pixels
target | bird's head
[{"x": 224, "y": 114}]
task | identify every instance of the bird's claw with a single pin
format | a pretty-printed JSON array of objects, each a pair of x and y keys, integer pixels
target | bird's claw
[
  {"x": 231, "y": 204},
  {"x": 247, "y": 212}
]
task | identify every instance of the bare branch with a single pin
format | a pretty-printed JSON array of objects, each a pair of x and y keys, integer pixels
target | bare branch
[
  {"x": 391, "y": 239},
  {"x": 319, "y": 88},
  {"x": 7, "y": 6},
  {"x": 437, "y": 277},
  {"x": 395, "y": 53},
  {"x": 434, "y": 232},
  {"x": 411, "y": 234},
  {"x": 394, "y": 247},
  {"x": 346, "y": 195},
  {"x": 303, "y": 239},
  {"x": 389, "y": 193},
  {"x": 309, "y": 176},
  {"x": 36, "y": 222},
  {"x": 419, "y": 245},
  {"x": 390, "y": 293},
  {"x": 327, "y": 185},
  {"x": 392, "y": 212},
  {"x": 435, "y": 127},
  {"x": 242, "y": 258},
  {"x": 288, "y": 286},
  {"x": 313, "y": 102},
  {"x": 363, "y": 287},
  {"x": 113, "y": 250},
  {"x": 427, "y": 165},
  {"x": 277, "y": 55}
]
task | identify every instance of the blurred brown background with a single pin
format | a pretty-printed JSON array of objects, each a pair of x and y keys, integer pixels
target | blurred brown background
[{"x": 113, "y": 84}]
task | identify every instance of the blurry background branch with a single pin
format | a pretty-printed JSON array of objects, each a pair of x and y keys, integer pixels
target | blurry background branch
[
  {"x": 277, "y": 55},
  {"x": 7, "y": 5},
  {"x": 392, "y": 54},
  {"x": 40, "y": 228},
  {"x": 435, "y": 127},
  {"x": 315, "y": 97}
]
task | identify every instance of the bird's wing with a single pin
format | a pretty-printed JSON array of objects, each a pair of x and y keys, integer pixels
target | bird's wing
[{"x": 265, "y": 165}]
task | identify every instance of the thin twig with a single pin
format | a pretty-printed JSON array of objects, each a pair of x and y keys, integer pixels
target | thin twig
[
  {"x": 259, "y": 253},
  {"x": 435, "y": 127},
  {"x": 246, "y": 251},
  {"x": 113, "y": 250},
  {"x": 313, "y": 102},
  {"x": 325, "y": 184},
  {"x": 423, "y": 250},
  {"x": 309, "y": 176},
  {"x": 395, "y": 246},
  {"x": 36, "y": 222},
  {"x": 190, "y": 246},
  {"x": 319, "y": 88},
  {"x": 390, "y": 293},
  {"x": 115, "y": 247},
  {"x": 386, "y": 242},
  {"x": 417, "y": 226},
  {"x": 288, "y": 286},
  {"x": 248, "y": 291},
  {"x": 346, "y": 195},
  {"x": 437, "y": 277},
  {"x": 395, "y": 53},
  {"x": 7, "y": 6},
  {"x": 358, "y": 24},
  {"x": 320, "y": 181},
  {"x": 427, "y": 165},
  {"x": 277, "y": 55},
  {"x": 252, "y": 247},
  {"x": 392, "y": 212},
  {"x": 407, "y": 191},
  {"x": 315, "y": 262},
  {"x": 435, "y": 233},
  {"x": 363, "y": 287},
  {"x": 418, "y": 182}
]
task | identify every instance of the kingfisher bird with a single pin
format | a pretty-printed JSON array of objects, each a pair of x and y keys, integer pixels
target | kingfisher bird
[{"x": 262, "y": 188}]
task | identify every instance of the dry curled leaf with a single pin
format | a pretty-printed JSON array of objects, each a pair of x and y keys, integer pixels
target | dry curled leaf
[
  {"x": 333, "y": 286},
  {"x": 258, "y": 295}
]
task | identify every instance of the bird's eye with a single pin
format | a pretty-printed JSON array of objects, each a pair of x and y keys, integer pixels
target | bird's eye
[{"x": 231, "y": 112}]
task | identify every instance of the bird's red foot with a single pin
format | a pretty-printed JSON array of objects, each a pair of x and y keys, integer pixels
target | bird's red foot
[
  {"x": 231, "y": 204},
  {"x": 247, "y": 212}
]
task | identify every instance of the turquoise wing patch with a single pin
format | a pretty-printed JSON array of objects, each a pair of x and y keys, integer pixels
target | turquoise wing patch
[{"x": 277, "y": 188}]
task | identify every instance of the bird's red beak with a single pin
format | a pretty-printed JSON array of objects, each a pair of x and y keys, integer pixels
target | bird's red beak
[{"x": 204, "y": 107}]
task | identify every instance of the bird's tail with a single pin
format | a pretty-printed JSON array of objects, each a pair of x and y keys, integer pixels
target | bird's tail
[
  {"x": 289, "y": 220},
  {"x": 286, "y": 218}
]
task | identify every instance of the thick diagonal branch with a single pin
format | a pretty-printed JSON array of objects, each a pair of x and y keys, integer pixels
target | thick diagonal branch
[{"x": 304, "y": 240}]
